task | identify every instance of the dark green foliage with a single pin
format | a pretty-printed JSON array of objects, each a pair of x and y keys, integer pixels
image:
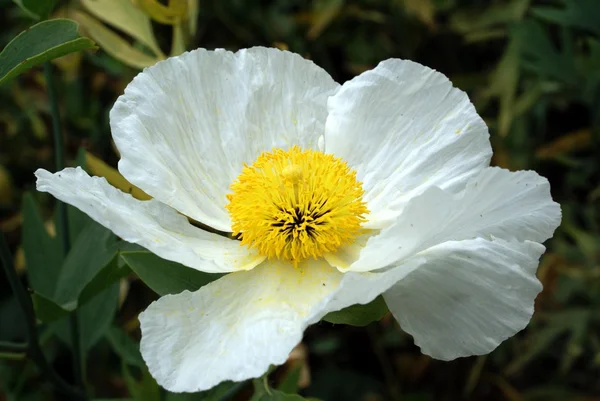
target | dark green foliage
[{"x": 532, "y": 69}]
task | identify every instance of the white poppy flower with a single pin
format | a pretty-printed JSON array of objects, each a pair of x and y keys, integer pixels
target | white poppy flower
[{"x": 338, "y": 193}]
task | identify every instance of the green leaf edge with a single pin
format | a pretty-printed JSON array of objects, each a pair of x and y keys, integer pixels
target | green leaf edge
[{"x": 81, "y": 43}]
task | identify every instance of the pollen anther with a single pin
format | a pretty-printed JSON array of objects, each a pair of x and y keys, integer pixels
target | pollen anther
[{"x": 296, "y": 204}]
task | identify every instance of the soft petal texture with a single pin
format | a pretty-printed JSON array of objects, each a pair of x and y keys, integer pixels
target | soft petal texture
[
  {"x": 186, "y": 126},
  {"x": 235, "y": 327},
  {"x": 468, "y": 297},
  {"x": 404, "y": 128},
  {"x": 150, "y": 224},
  {"x": 496, "y": 202}
]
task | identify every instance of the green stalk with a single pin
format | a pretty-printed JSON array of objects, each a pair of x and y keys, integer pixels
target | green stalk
[
  {"x": 63, "y": 222},
  {"x": 33, "y": 350},
  {"x": 10, "y": 347}
]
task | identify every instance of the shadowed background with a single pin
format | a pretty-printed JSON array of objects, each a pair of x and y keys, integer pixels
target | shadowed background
[{"x": 532, "y": 69}]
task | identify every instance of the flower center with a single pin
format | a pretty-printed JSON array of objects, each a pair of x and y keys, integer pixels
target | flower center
[{"x": 296, "y": 204}]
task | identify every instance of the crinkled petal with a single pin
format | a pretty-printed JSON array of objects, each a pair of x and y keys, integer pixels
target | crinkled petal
[
  {"x": 404, "y": 128},
  {"x": 186, "y": 126},
  {"x": 468, "y": 297},
  {"x": 235, "y": 327},
  {"x": 496, "y": 202},
  {"x": 151, "y": 224}
]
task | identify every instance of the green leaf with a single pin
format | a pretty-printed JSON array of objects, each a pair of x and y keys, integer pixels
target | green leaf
[
  {"x": 37, "y": 9},
  {"x": 43, "y": 254},
  {"x": 144, "y": 390},
  {"x": 276, "y": 395},
  {"x": 504, "y": 81},
  {"x": 222, "y": 391},
  {"x": 95, "y": 318},
  {"x": 91, "y": 266},
  {"x": 124, "y": 345},
  {"x": 112, "y": 399},
  {"x": 289, "y": 384},
  {"x": 539, "y": 54},
  {"x": 42, "y": 42},
  {"x": 263, "y": 392},
  {"x": 125, "y": 16},
  {"x": 93, "y": 250},
  {"x": 582, "y": 14},
  {"x": 163, "y": 276},
  {"x": 324, "y": 12},
  {"x": 46, "y": 309},
  {"x": 10, "y": 311},
  {"x": 359, "y": 315},
  {"x": 113, "y": 44}
]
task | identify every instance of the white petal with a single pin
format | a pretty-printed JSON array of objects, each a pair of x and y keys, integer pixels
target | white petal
[
  {"x": 186, "y": 126},
  {"x": 150, "y": 224},
  {"x": 403, "y": 127},
  {"x": 468, "y": 297},
  {"x": 235, "y": 327},
  {"x": 496, "y": 203}
]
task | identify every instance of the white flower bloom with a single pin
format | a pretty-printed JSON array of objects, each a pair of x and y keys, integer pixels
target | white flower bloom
[{"x": 338, "y": 194}]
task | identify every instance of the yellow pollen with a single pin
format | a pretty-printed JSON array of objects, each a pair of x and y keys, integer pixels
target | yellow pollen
[{"x": 295, "y": 204}]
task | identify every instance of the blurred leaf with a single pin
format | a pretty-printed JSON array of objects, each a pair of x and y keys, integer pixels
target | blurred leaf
[
  {"x": 276, "y": 395},
  {"x": 166, "y": 277},
  {"x": 503, "y": 83},
  {"x": 583, "y": 14},
  {"x": 37, "y": 9},
  {"x": 95, "y": 318},
  {"x": 572, "y": 321},
  {"x": 193, "y": 10},
  {"x": 42, "y": 42},
  {"x": 114, "y": 44},
  {"x": 359, "y": 315},
  {"x": 529, "y": 98},
  {"x": 124, "y": 15},
  {"x": 178, "y": 42},
  {"x": 46, "y": 309},
  {"x": 424, "y": 10},
  {"x": 97, "y": 167},
  {"x": 172, "y": 14},
  {"x": 573, "y": 141},
  {"x": 539, "y": 54},
  {"x": 508, "y": 390},
  {"x": 125, "y": 346},
  {"x": 323, "y": 13},
  {"x": 289, "y": 384},
  {"x": 6, "y": 188},
  {"x": 221, "y": 392},
  {"x": 112, "y": 399},
  {"x": 43, "y": 253},
  {"x": 145, "y": 389},
  {"x": 472, "y": 20},
  {"x": 263, "y": 392},
  {"x": 10, "y": 311}
]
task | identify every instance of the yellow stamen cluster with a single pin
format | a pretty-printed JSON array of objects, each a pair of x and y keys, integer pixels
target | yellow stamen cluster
[{"x": 295, "y": 204}]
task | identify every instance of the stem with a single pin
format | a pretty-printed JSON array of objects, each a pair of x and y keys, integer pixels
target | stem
[
  {"x": 63, "y": 221},
  {"x": 24, "y": 301},
  {"x": 12, "y": 347}
]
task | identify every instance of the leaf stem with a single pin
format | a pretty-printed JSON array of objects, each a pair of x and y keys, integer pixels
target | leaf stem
[
  {"x": 62, "y": 221},
  {"x": 34, "y": 351}
]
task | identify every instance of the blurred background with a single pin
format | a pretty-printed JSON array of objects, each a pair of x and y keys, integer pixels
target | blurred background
[{"x": 532, "y": 69}]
